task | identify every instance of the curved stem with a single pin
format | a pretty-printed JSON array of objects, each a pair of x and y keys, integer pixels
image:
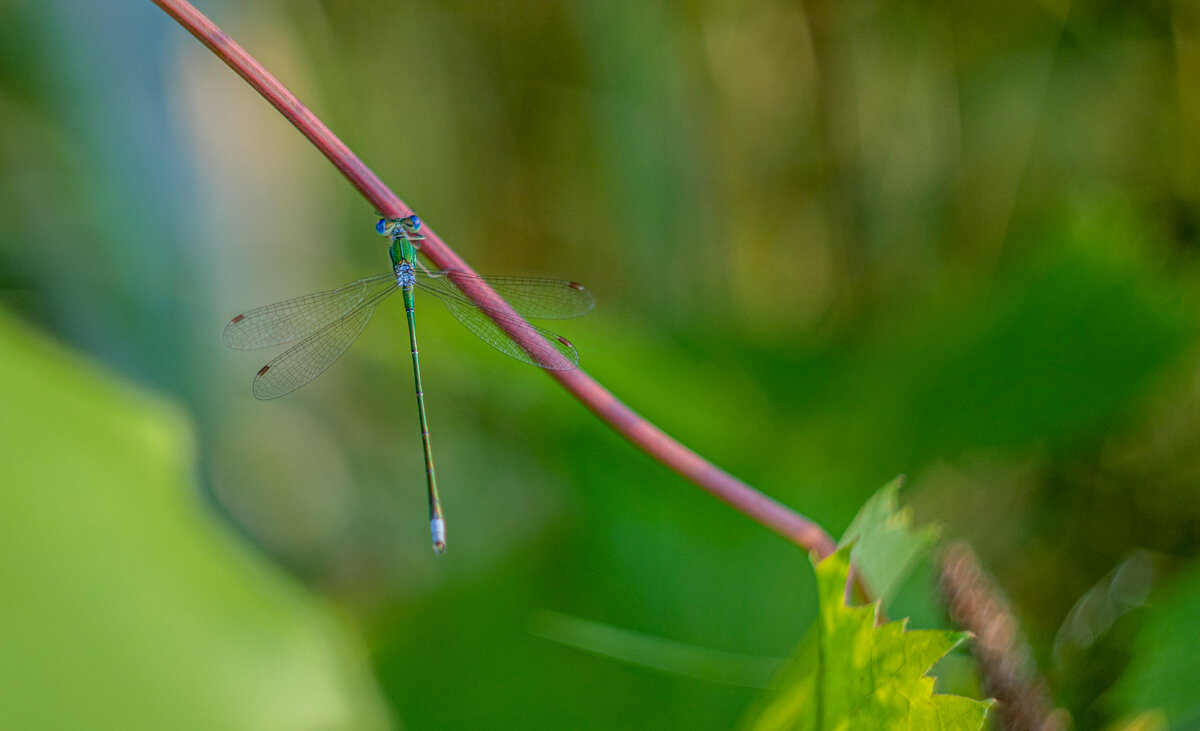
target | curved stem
[{"x": 600, "y": 401}]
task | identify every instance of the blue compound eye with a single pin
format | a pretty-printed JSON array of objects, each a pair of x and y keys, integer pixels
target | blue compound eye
[
  {"x": 381, "y": 228},
  {"x": 414, "y": 222}
]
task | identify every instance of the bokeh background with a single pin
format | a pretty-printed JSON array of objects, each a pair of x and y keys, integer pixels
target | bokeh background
[{"x": 830, "y": 243}]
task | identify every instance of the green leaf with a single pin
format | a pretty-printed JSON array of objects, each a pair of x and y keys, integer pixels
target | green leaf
[
  {"x": 126, "y": 604},
  {"x": 1162, "y": 673},
  {"x": 1148, "y": 721},
  {"x": 885, "y": 548},
  {"x": 850, "y": 674}
]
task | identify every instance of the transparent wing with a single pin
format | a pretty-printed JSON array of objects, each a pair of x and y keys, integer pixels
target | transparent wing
[
  {"x": 540, "y": 299},
  {"x": 292, "y": 319},
  {"x": 476, "y": 320},
  {"x": 314, "y": 354}
]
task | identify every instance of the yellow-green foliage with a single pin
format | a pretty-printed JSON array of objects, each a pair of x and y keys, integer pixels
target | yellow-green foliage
[
  {"x": 850, "y": 674},
  {"x": 122, "y": 608}
]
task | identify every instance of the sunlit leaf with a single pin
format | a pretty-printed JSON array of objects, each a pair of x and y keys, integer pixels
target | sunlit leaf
[{"x": 850, "y": 674}]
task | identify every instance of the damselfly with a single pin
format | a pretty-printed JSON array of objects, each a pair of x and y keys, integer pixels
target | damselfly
[{"x": 327, "y": 323}]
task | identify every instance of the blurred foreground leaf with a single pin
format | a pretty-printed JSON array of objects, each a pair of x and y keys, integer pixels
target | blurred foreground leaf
[
  {"x": 1162, "y": 676},
  {"x": 1148, "y": 721},
  {"x": 850, "y": 674},
  {"x": 124, "y": 605},
  {"x": 885, "y": 548}
]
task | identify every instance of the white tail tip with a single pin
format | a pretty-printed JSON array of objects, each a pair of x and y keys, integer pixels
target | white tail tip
[{"x": 437, "y": 527}]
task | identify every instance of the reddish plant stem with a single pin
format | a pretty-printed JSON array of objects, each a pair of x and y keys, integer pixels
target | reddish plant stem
[{"x": 600, "y": 401}]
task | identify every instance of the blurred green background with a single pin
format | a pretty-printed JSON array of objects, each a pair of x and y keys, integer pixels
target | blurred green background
[{"x": 830, "y": 243}]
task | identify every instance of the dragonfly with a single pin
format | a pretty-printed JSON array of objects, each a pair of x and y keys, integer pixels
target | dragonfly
[{"x": 327, "y": 323}]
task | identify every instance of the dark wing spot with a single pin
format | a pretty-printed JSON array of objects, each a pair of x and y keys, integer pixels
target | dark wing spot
[
  {"x": 565, "y": 342},
  {"x": 574, "y": 285},
  {"x": 264, "y": 369},
  {"x": 239, "y": 318}
]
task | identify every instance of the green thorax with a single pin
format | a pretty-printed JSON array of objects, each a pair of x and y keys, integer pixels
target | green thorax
[{"x": 402, "y": 250}]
